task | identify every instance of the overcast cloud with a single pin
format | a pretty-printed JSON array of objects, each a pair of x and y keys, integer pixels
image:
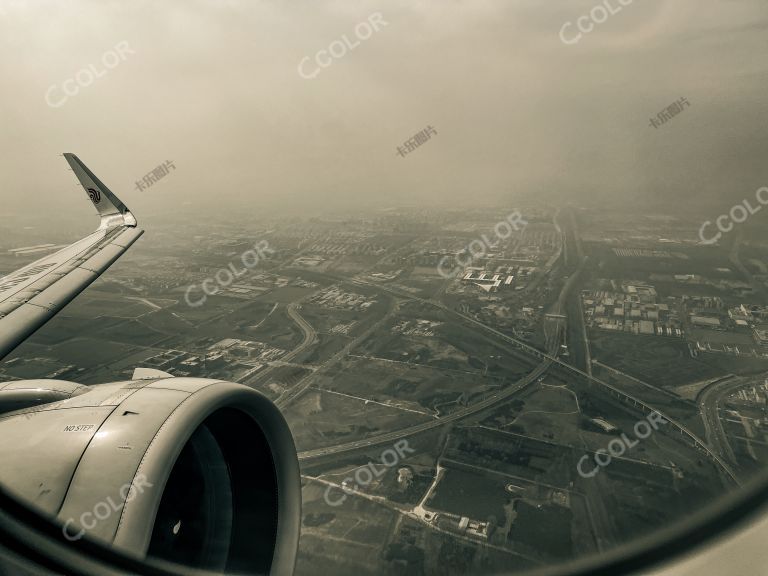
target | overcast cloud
[{"x": 214, "y": 87}]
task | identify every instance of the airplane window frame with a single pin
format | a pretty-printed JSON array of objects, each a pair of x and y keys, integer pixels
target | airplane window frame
[{"x": 31, "y": 540}]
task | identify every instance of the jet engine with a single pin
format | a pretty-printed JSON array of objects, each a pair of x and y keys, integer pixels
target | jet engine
[{"x": 197, "y": 472}]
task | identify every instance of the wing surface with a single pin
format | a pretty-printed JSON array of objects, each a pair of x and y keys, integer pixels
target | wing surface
[{"x": 31, "y": 296}]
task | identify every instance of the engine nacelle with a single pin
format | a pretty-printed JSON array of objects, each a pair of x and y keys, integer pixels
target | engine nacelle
[
  {"x": 25, "y": 393},
  {"x": 197, "y": 472}
]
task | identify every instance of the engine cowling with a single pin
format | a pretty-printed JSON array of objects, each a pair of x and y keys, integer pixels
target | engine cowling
[
  {"x": 25, "y": 393},
  {"x": 197, "y": 472}
]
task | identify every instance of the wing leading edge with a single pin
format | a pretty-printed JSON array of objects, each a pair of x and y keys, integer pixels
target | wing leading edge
[{"x": 34, "y": 294}]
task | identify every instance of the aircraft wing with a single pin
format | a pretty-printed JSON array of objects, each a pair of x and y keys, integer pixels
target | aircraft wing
[{"x": 34, "y": 294}]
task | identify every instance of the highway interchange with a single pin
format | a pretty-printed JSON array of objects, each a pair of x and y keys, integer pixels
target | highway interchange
[{"x": 560, "y": 315}]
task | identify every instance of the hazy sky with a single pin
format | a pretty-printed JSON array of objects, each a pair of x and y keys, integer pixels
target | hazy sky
[{"x": 214, "y": 86}]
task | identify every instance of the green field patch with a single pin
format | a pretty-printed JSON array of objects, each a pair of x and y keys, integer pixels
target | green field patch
[{"x": 475, "y": 495}]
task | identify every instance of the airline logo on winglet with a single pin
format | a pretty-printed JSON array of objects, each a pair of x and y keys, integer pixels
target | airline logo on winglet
[{"x": 94, "y": 195}]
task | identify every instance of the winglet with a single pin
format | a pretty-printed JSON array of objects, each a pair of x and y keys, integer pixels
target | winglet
[{"x": 112, "y": 211}]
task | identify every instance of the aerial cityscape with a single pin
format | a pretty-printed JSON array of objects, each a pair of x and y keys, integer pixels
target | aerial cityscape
[
  {"x": 470, "y": 391},
  {"x": 366, "y": 288}
]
